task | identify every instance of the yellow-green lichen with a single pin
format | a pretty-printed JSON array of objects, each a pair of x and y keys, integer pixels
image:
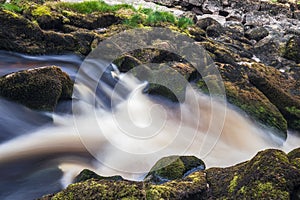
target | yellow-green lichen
[
  {"x": 268, "y": 189},
  {"x": 41, "y": 10},
  {"x": 233, "y": 183}
]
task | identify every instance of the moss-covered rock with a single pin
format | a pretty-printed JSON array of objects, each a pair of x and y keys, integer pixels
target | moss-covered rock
[
  {"x": 294, "y": 157},
  {"x": 91, "y": 21},
  {"x": 191, "y": 187},
  {"x": 38, "y": 88},
  {"x": 127, "y": 62},
  {"x": 101, "y": 189},
  {"x": 19, "y": 34},
  {"x": 194, "y": 186},
  {"x": 288, "y": 105},
  {"x": 292, "y": 49},
  {"x": 166, "y": 72},
  {"x": 246, "y": 96},
  {"x": 173, "y": 167},
  {"x": 294, "y": 154},
  {"x": 269, "y": 175},
  {"x": 87, "y": 174}
]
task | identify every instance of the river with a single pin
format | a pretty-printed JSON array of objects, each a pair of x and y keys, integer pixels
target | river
[{"x": 124, "y": 133}]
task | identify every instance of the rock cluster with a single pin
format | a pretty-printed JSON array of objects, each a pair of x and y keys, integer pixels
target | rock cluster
[
  {"x": 254, "y": 44},
  {"x": 271, "y": 174}
]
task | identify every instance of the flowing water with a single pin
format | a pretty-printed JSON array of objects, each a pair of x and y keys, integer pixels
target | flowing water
[{"x": 119, "y": 131}]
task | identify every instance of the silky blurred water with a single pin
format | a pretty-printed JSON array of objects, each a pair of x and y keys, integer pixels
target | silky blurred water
[{"x": 124, "y": 133}]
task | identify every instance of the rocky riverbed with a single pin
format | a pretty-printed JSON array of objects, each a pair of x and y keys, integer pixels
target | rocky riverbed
[{"x": 254, "y": 44}]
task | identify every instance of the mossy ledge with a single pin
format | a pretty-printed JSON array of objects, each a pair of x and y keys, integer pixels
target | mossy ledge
[{"x": 270, "y": 174}]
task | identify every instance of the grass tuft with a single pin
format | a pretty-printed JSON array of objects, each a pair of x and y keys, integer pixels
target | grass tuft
[
  {"x": 88, "y": 7},
  {"x": 11, "y": 7},
  {"x": 156, "y": 17},
  {"x": 184, "y": 22}
]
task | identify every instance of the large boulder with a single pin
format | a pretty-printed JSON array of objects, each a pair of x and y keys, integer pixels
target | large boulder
[
  {"x": 287, "y": 104},
  {"x": 173, "y": 167},
  {"x": 294, "y": 157},
  {"x": 244, "y": 94},
  {"x": 269, "y": 175},
  {"x": 38, "y": 88}
]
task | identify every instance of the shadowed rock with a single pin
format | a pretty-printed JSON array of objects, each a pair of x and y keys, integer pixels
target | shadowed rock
[{"x": 38, "y": 88}]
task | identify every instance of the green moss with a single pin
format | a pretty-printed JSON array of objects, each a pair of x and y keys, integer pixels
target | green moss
[
  {"x": 267, "y": 189},
  {"x": 41, "y": 10},
  {"x": 158, "y": 192},
  {"x": 202, "y": 86},
  {"x": 296, "y": 162},
  {"x": 242, "y": 191},
  {"x": 174, "y": 169},
  {"x": 282, "y": 157},
  {"x": 262, "y": 111},
  {"x": 293, "y": 110},
  {"x": 294, "y": 154},
  {"x": 233, "y": 184},
  {"x": 38, "y": 89}
]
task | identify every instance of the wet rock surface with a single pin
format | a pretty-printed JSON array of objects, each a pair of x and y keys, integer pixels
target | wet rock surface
[
  {"x": 88, "y": 174},
  {"x": 242, "y": 38},
  {"x": 39, "y": 88},
  {"x": 174, "y": 167},
  {"x": 271, "y": 174}
]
